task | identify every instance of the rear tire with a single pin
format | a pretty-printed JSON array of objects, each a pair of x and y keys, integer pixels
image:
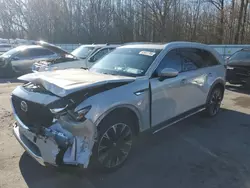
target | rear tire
[
  {"x": 214, "y": 102},
  {"x": 115, "y": 141}
]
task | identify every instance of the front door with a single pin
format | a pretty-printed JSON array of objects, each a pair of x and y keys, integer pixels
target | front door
[{"x": 168, "y": 96}]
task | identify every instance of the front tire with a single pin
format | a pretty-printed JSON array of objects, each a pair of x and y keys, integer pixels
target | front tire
[
  {"x": 114, "y": 144},
  {"x": 214, "y": 102},
  {"x": 8, "y": 71}
]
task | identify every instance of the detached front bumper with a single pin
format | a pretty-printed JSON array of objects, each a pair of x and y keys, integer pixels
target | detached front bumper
[
  {"x": 57, "y": 147},
  {"x": 28, "y": 146}
]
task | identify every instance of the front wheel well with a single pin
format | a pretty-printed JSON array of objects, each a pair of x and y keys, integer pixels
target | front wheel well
[
  {"x": 124, "y": 112},
  {"x": 217, "y": 85}
]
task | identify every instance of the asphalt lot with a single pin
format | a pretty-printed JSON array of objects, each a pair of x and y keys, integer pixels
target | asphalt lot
[{"x": 197, "y": 152}]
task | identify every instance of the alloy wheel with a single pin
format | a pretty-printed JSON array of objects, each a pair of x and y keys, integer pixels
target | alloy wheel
[
  {"x": 115, "y": 145},
  {"x": 215, "y": 102}
]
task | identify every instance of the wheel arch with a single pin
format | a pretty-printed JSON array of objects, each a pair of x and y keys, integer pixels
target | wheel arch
[
  {"x": 217, "y": 84},
  {"x": 129, "y": 109}
]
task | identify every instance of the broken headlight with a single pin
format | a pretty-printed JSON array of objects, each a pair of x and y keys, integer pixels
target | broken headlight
[{"x": 80, "y": 114}]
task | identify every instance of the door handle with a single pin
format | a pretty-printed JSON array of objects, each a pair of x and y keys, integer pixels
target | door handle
[{"x": 183, "y": 81}]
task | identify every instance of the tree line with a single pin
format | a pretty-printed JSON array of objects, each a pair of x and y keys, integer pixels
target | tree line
[{"x": 118, "y": 21}]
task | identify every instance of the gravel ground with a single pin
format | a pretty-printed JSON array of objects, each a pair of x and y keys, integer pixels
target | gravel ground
[{"x": 198, "y": 152}]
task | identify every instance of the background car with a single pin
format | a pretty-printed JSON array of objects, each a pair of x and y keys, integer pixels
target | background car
[
  {"x": 19, "y": 60},
  {"x": 238, "y": 68},
  {"x": 4, "y": 48},
  {"x": 79, "y": 63}
]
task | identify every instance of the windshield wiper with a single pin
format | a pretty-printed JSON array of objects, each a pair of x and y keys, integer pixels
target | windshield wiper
[{"x": 84, "y": 68}]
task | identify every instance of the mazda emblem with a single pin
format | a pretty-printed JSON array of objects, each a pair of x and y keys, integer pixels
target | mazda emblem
[{"x": 24, "y": 106}]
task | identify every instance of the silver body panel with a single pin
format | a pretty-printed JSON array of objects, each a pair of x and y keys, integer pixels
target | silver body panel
[
  {"x": 25, "y": 64},
  {"x": 152, "y": 101}
]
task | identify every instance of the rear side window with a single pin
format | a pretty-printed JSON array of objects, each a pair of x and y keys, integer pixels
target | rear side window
[
  {"x": 197, "y": 58},
  {"x": 34, "y": 53},
  {"x": 39, "y": 52}
]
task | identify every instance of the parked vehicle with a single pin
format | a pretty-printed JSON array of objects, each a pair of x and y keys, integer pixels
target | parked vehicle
[
  {"x": 238, "y": 68},
  {"x": 19, "y": 60},
  {"x": 78, "y": 63},
  {"x": 4, "y": 48},
  {"x": 67, "y": 117}
]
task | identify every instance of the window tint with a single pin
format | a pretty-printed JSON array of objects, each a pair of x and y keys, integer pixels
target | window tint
[
  {"x": 126, "y": 61},
  {"x": 171, "y": 60},
  {"x": 23, "y": 54},
  {"x": 83, "y": 51},
  {"x": 198, "y": 57},
  {"x": 100, "y": 54},
  {"x": 191, "y": 59},
  {"x": 45, "y": 52},
  {"x": 240, "y": 55},
  {"x": 39, "y": 52},
  {"x": 209, "y": 59}
]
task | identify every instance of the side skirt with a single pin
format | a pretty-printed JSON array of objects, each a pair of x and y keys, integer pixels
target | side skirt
[{"x": 177, "y": 119}]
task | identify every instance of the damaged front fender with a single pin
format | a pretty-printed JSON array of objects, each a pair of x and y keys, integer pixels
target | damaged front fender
[{"x": 84, "y": 134}]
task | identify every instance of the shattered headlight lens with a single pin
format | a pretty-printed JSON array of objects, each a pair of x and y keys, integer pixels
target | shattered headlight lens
[{"x": 80, "y": 114}]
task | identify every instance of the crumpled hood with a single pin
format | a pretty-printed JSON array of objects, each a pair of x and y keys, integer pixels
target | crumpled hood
[{"x": 65, "y": 82}]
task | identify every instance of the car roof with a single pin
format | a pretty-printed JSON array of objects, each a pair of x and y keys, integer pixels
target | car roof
[
  {"x": 93, "y": 45},
  {"x": 146, "y": 46},
  {"x": 28, "y": 46},
  {"x": 111, "y": 46},
  {"x": 164, "y": 45},
  {"x": 53, "y": 48}
]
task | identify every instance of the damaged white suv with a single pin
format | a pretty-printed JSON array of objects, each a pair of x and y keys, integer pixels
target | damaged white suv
[{"x": 74, "y": 116}]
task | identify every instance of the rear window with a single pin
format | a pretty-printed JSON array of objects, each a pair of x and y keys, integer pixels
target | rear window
[{"x": 241, "y": 55}]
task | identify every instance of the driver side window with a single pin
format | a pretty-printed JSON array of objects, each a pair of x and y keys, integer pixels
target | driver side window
[
  {"x": 23, "y": 54},
  {"x": 171, "y": 60}
]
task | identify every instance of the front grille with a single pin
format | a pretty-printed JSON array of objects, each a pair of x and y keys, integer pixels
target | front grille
[{"x": 36, "y": 114}]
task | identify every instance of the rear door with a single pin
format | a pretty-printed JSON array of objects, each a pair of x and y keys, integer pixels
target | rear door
[
  {"x": 184, "y": 93},
  {"x": 195, "y": 81}
]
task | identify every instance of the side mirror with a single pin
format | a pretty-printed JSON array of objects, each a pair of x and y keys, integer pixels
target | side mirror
[{"x": 167, "y": 73}]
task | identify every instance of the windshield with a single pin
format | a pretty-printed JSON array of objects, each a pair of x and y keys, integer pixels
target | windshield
[
  {"x": 82, "y": 51},
  {"x": 126, "y": 62},
  {"x": 241, "y": 55}
]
